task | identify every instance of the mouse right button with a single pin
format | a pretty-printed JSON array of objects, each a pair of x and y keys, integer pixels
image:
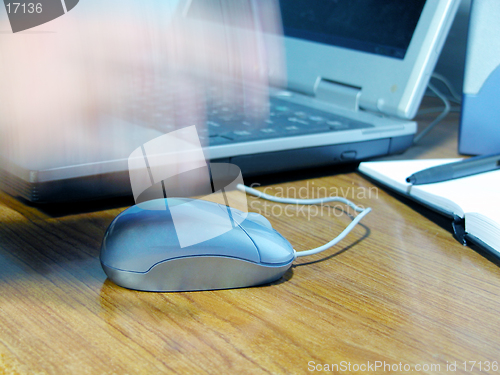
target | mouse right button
[
  {"x": 273, "y": 247},
  {"x": 259, "y": 219}
]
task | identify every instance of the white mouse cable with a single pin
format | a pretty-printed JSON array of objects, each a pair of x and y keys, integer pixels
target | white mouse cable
[{"x": 340, "y": 237}]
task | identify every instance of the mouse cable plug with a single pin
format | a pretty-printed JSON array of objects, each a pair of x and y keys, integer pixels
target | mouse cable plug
[{"x": 362, "y": 213}]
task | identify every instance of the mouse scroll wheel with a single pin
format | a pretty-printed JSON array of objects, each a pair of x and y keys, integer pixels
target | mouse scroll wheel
[{"x": 259, "y": 219}]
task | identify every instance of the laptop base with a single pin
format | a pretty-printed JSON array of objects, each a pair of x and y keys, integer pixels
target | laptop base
[{"x": 118, "y": 183}]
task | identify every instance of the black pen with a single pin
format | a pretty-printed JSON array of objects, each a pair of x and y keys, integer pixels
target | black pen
[{"x": 450, "y": 171}]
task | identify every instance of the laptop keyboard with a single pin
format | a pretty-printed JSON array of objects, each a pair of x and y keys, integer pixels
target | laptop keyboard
[
  {"x": 286, "y": 119},
  {"x": 226, "y": 124}
]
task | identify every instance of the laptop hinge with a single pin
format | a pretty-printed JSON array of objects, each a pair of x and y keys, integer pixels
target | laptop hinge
[{"x": 338, "y": 94}]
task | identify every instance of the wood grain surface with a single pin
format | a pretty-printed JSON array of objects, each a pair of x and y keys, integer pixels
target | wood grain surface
[{"x": 398, "y": 291}]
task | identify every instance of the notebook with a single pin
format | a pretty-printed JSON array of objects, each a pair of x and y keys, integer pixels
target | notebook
[
  {"x": 356, "y": 73},
  {"x": 472, "y": 202}
]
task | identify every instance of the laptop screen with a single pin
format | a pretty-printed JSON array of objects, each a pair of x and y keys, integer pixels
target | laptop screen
[{"x": 383, "y": 27}]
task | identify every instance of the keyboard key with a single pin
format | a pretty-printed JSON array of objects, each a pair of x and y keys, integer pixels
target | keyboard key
[
  {"x": 297, "y": 120},
  {"x": 242, "y": 133},
  {"x": 240, "y": 136}
]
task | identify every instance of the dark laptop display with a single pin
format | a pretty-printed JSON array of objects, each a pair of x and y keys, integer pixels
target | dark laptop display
[{"x": 383, "y": 27}]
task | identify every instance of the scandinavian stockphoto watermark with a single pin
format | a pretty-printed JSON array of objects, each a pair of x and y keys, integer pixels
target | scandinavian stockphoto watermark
[
  {"x": 26, "y": 14},
  {"x": 310, "y": 191}
]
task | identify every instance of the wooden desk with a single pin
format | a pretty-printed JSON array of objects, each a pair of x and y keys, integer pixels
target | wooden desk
[{"x": 399, "y": 290}]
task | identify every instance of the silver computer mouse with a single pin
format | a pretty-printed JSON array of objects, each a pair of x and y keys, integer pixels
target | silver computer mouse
[{"x": 141, "y": 248}]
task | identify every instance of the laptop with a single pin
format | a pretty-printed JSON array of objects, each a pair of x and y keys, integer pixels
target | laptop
[{"x": 356, "y": 74}]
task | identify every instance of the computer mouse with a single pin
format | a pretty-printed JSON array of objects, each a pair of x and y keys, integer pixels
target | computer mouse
[{"x": 141, "y": 249}]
